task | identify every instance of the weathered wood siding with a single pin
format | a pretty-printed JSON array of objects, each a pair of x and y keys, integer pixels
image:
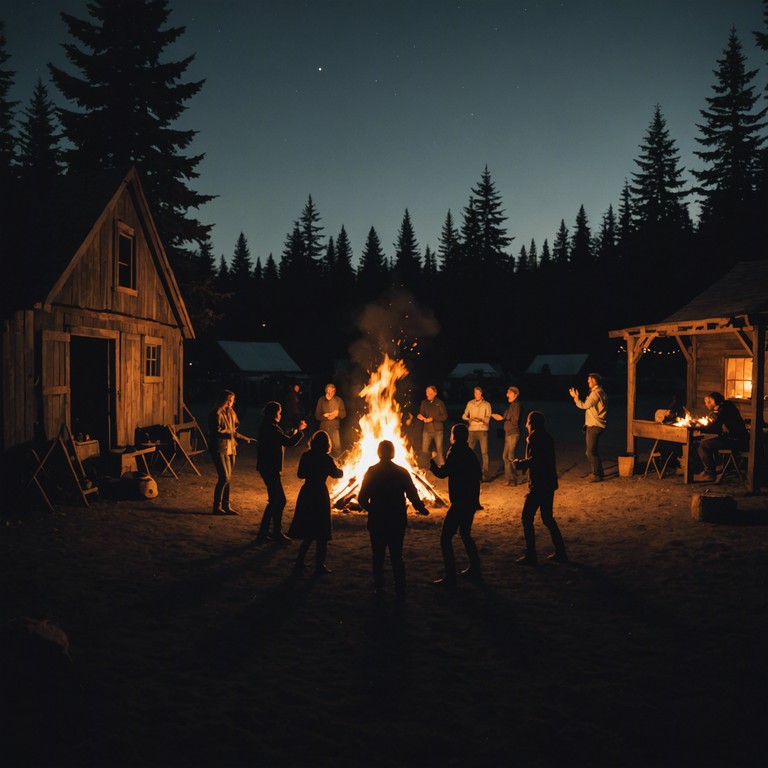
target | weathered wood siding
[
  {"x": 710, "y": 367},
  {"x": 36, "y": 342}
]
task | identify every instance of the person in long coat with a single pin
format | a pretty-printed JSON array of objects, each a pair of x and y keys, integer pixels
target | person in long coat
[{"x": 312, "y": 517}]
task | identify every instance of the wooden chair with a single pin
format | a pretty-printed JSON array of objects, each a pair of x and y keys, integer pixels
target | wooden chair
[
  {"x": 158, "y": 435},
  {"x": 654, "y": 460},
  {"x": 733, "y": 462},
  {"x": 189, "y": 440}
]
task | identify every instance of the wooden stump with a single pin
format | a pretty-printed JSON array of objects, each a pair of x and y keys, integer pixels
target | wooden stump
[{"x": 711, "y": 508}]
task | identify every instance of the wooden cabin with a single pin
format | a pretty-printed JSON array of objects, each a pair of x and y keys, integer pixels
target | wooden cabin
[
  {"x": 92, "y": 318},
  {"x": 721, "y": 334}
]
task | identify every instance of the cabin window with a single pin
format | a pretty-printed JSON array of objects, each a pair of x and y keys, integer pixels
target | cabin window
[
  {"x": 153, "y": 358},
  {"x": 738, "y": 378},
  {"x": 125, "y": 257}
]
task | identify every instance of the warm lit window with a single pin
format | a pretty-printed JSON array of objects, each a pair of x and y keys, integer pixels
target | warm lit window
[
  {"x": 153, "y": 359},
  {"x": 125, "y": 254},
  {"x": 738, "y": 378}
]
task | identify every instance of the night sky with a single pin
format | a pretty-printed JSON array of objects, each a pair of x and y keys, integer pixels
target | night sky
[{"x": 374, "y": 107}]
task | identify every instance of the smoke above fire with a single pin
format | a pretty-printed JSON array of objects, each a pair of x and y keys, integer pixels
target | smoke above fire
[{"x": 397, "y": 326}]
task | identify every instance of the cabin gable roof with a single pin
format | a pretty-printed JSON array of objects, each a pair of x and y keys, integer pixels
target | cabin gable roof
[
  {"x": 736, "y": 300},
  {"x": 51, "y": 231}
]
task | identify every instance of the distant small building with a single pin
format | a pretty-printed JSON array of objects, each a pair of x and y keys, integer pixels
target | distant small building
[
  {"x": 466, "y": 376},
  {"x": 263, "y": 368},
  {"x": 558, "y": 365}
]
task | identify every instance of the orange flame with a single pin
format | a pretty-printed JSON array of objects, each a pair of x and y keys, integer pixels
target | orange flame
[
  {"x": 382, "y": 421},
  {"x": 689, "y": 421}
]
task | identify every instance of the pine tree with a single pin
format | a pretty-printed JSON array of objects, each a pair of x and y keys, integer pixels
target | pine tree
[
  {"x": 39, "y": 153},
  {"x": 312, "y": 238},
  {"x": 489, "y": 251},
  {"x": 533, "y": 256},
  {"x": 605, "y": 242},
  {"x": 7, "y": 111},
  {"x": 658, "y": 190},
  {"x": 128, "y": 101},
  {"x": 430, "y": 264},
  {"x": 293, "y": 258},
  {"x": 449, "y": 245},
  {"x": 626, "y": 227},
  {"x": 560, "y": 246},
  {"x": 545, "y": 262},
  {"x": 372, "y": 271},
  {"x": 407, "y": 266},
  {"x": 731, "y": 135},
  {"x": 343, "y": 272},
  {"x": 241, "y": 261},
  {"x": 581, "y": 242},
  {"x": 523, "y": 267}
]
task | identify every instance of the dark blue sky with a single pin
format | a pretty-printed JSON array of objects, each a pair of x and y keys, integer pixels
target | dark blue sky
[{"x": 375, "y": 106}]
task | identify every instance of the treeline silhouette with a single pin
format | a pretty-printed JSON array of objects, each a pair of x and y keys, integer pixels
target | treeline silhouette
[{"x": 482, "y": 296}]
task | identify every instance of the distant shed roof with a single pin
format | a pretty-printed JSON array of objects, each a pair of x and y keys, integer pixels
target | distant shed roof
[
  {"x": 259, "y": 357},
  {"x": 558, "y": 365},
  {"x": 467, "y": 370}
]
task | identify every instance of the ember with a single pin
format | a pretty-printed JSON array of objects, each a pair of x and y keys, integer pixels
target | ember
[{"x": 382, "y": 421}]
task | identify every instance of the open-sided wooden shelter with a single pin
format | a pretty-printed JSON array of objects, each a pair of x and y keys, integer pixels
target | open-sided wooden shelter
[
  {"x": 721, "y": 334},
  {"x": 93, "y": 322}
]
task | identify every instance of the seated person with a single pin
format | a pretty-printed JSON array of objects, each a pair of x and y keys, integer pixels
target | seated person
[{"x": 727, "y": 429}]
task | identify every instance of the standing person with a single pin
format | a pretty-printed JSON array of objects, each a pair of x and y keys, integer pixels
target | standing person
[
  {"x": 433, "y": 414},
  {"x": 382, "y": 494},
  {"x": 596, "y": 409},
  {"x": 329, "y": 410},
  {"x": 294, "y": 406},
  {"x": 511, "y": 418},
  {"x": 726, "y": 429},
  {"x": 477, "y": 414},
  {"x": 462, "y": 469},
  {"x": 542, "y": 483},
  {"x": 312, "y": 518},
  {"x": 222, "y": 443},
  {"x": 272, "y": 444}
]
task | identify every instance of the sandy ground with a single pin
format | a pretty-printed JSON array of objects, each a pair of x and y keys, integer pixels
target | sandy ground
[{"x": 192, "y": 646}]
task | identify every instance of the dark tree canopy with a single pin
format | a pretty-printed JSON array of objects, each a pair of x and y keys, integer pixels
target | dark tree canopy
[{"x": 128, "y": 98}]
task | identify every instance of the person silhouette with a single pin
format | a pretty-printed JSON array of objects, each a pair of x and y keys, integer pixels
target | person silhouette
[
  {"x": 382, "y": 494},
  {"x": 312, "y": 517},
  {"x": 462, "y": 468}
]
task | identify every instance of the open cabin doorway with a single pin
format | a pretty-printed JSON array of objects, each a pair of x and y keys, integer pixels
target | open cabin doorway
[{"x": 92, "y": 387}]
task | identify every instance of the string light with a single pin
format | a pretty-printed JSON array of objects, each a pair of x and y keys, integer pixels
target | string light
[{"x": 622, "y": 350}]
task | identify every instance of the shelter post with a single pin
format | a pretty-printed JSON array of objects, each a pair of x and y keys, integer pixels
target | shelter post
[
  {"x": 631, "y": 391},
  {"x": 755, "y": 461}
]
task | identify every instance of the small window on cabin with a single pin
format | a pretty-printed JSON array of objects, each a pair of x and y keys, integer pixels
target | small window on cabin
[
  {"x": 125, "y": 257},
  {"x": 153, "y": 358},
  {"x": 738, "y": 378}
]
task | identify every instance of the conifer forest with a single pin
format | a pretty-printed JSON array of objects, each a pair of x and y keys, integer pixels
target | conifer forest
[{"x": 485, "y": 293}]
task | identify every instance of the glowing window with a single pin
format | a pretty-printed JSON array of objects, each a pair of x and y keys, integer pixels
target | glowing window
[{"x": 738, "y": 378}]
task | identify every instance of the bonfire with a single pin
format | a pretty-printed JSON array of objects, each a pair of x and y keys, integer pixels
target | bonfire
[{"x": 382, "y": 420}]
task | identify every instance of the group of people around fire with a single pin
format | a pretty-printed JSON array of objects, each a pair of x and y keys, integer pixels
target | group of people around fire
[{"x": 386, "y": 487}]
